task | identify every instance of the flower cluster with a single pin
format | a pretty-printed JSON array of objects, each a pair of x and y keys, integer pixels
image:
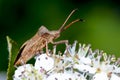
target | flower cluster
[{"x": 73, "y": 64}]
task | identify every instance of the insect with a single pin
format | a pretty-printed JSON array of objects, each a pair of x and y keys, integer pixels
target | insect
[{"x": 40, "y": 40}]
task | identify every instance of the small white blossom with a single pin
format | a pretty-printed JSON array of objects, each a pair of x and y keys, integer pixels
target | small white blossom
[
  {"x": 44, "y": 62},
  {"x": 26, "y": 72},
  {"x": 81, "y": 64}
]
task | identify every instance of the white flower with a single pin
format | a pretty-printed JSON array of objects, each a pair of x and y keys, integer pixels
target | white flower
[
  {"x": 44, "y": 62},
  {"x": 81, "y": 64},
  {"x": 26, "y": 72}
]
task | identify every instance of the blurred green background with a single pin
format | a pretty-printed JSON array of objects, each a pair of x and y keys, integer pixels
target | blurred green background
[{"x": 20, "y": 19}]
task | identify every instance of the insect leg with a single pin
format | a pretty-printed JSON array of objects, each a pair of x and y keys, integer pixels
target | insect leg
[
  {"x": 61, "y": 42},
  {"x": 47, "y": 51}
]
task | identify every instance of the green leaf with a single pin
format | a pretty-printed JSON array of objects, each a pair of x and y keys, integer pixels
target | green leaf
[{"x": 12, "y": 49}]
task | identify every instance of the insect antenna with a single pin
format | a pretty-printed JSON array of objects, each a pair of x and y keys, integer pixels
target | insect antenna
[
  {"x": 72, "y": 23},
  {"x": 62, "y": 27}
]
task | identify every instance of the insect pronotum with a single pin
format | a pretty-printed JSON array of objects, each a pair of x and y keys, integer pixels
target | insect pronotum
[{"x": 40, "y": 40}]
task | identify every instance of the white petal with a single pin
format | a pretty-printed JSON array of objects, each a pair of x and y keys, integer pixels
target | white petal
[
  {"x": 45, "y": 62},
  {"x": 63, "y": 76},
  {"x": 73, "y": 48},
  {"x": 85, "y": 60},
  {"x": 85, "y": 68},
  {"x": 100, "y": 76},
  {"x": 114, "y": 77}
]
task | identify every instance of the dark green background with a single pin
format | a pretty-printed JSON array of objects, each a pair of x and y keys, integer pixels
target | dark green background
[{"x": 20, "y": 19}]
